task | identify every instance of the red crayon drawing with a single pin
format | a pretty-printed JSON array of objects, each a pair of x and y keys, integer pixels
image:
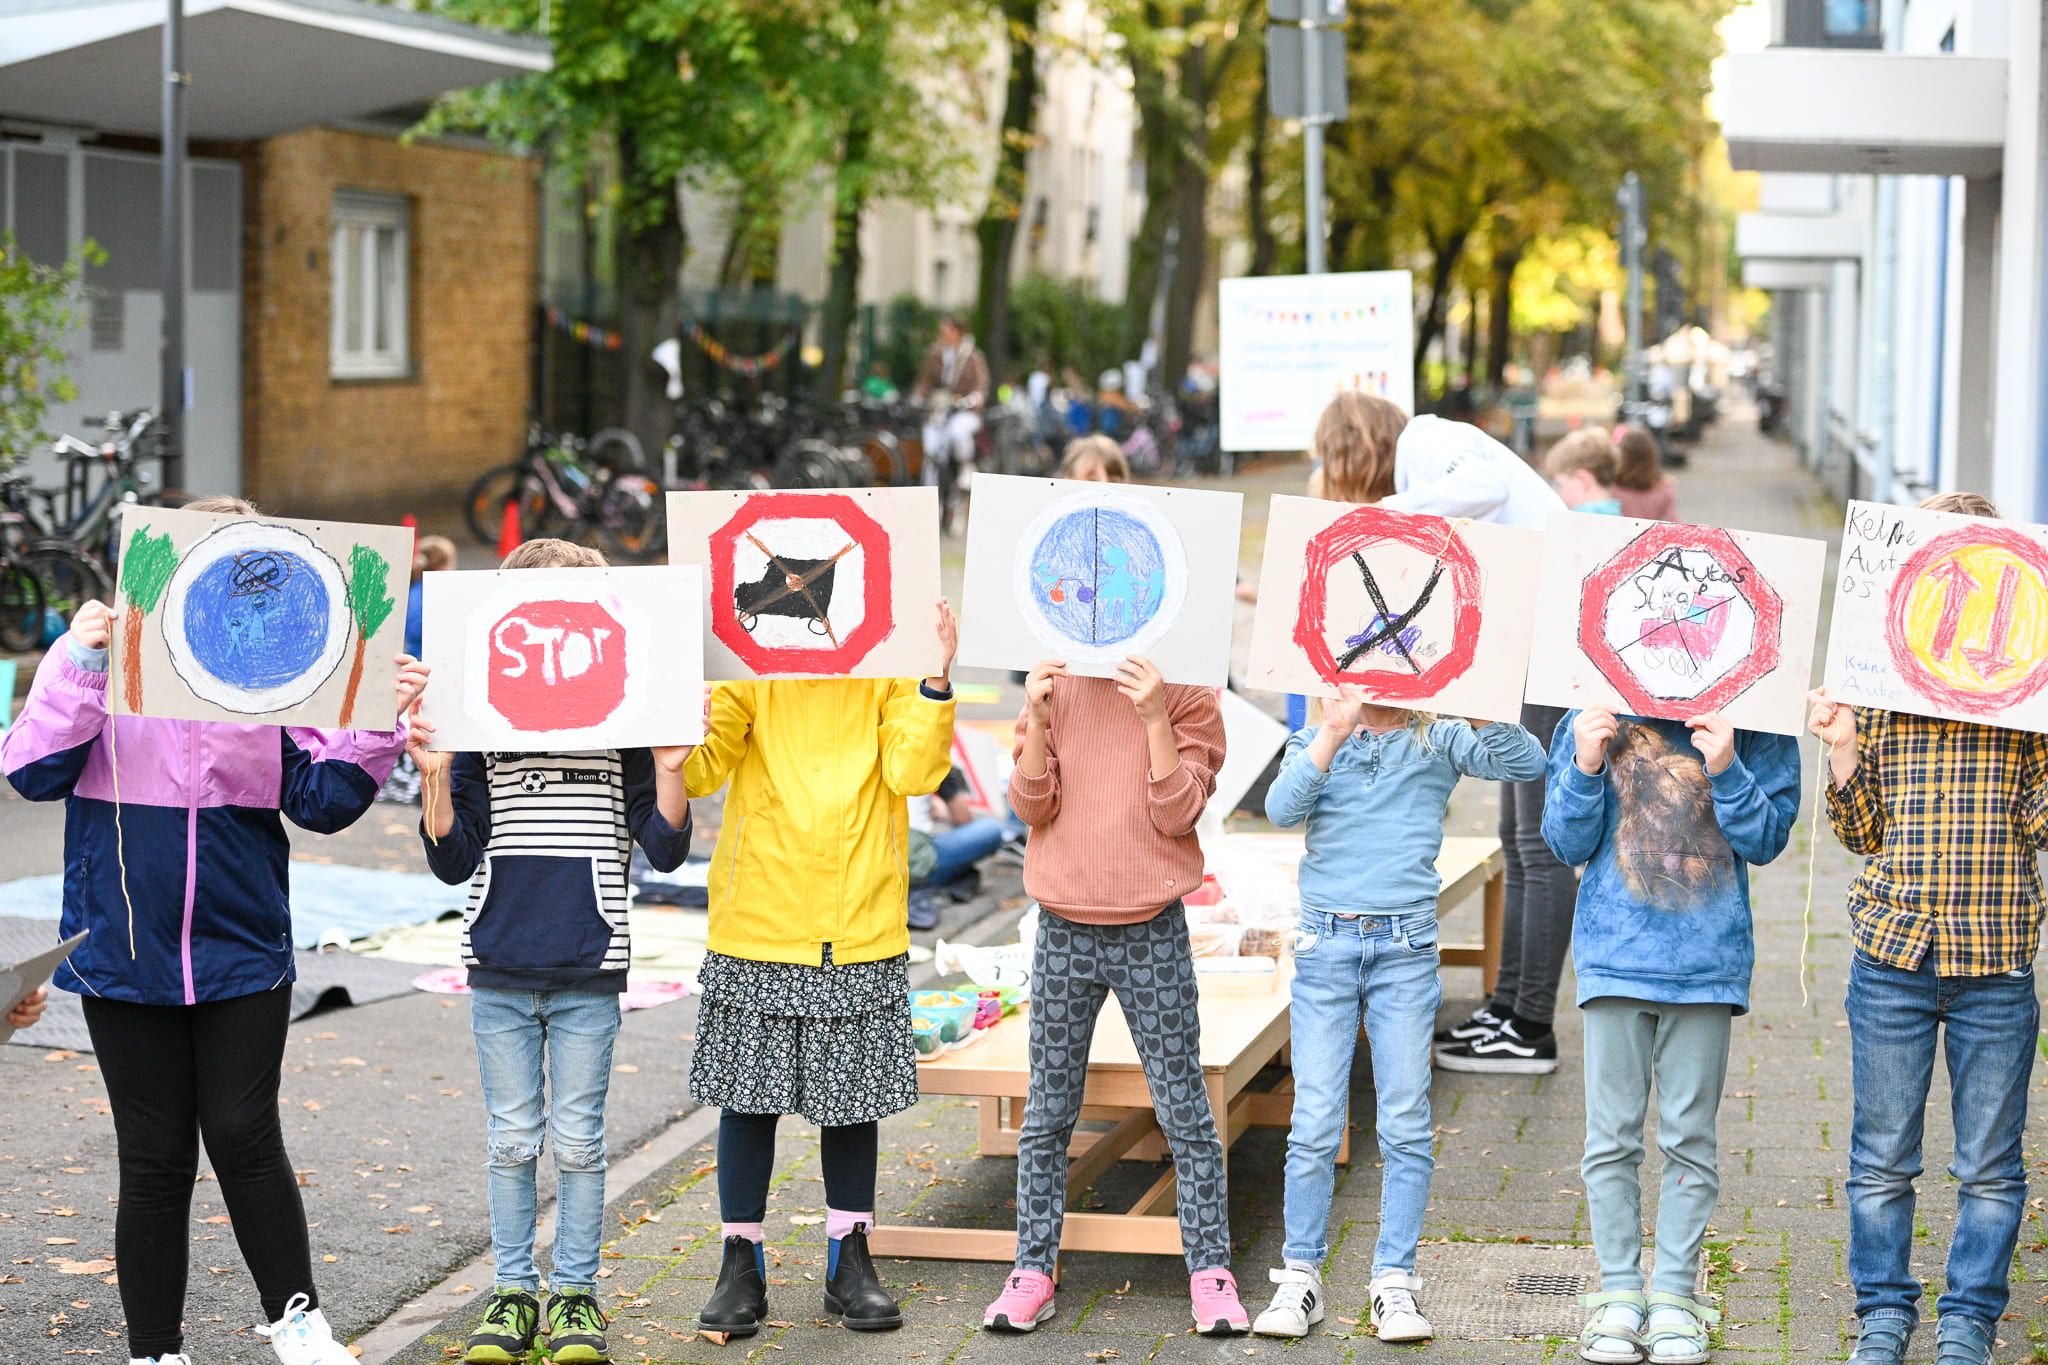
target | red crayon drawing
[
  {"x": 1340, "y": 548},
  {"x": 800, "y": 588},
  {"x": 1964, "y": 619},
  {"x": 557, "y": 665}
]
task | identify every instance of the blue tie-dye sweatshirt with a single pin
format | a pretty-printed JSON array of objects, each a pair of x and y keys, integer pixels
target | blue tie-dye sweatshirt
[{"x": 1663, "y": 912}]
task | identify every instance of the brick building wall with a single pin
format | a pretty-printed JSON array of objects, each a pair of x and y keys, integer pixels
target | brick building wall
[{"x": 319, "y": 446}]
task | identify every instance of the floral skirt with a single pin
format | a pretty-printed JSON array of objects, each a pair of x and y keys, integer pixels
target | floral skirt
[{"x": 831, "y": 1043}]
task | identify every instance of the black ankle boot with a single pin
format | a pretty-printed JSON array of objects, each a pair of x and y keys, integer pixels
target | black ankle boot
[
  {"x": 740, "y": 1299},
  {"x": 854, "y": 1293}
]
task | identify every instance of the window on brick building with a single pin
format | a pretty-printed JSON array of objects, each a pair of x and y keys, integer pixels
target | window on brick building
[{"x": 371, "y": 258}]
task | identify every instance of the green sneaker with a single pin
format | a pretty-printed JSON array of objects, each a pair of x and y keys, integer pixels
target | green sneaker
[
  {"x": 505, "y": 1336},
  {"x": 576, "y": 1328}
]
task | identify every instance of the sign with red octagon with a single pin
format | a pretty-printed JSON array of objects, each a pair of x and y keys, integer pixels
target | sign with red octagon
[
  {"x": 800, "y": 583},
  {"x": 1415, "y": 588}
]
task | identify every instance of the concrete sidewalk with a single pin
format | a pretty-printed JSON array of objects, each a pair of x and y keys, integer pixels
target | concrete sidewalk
[{"x": 1506, "y": 1189}]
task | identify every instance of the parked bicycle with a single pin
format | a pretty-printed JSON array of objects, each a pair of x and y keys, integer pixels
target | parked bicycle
[{"x": 558, "y": 491}]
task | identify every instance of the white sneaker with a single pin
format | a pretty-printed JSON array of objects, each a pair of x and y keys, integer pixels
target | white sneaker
[
  {"x": 175, "y": 1358},
  {"x": 304, "y": 1338},
  {"x": 1297, "y": 1304},
  {"x": 1394, "y": 1314}
]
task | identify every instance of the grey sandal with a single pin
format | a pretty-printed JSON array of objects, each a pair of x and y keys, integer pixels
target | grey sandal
[
  {"x": 1693, "y": 1335},
  {"x": 1596, "y": 1330}
]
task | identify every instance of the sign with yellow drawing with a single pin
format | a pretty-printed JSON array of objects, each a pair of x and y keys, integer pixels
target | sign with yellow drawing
[{"x": 1942, "y": 615}]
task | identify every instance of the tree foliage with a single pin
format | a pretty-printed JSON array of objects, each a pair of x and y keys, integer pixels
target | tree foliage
[{"x": 38, "y": 306}]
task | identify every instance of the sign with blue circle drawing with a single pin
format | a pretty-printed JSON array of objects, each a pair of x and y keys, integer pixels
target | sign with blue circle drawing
[
  {"x": 233, "y": 618},
  {"x": 1091, "y": 573}
]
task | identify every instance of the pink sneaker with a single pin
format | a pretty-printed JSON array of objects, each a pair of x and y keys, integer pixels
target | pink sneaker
[
  {"x": 1025, "y": 1302},
  {"x": 1217, "y": 1311}
]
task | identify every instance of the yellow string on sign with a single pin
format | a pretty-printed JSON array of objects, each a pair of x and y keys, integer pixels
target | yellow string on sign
[
  {"x": 428, "y": 805},
  {"x": 120, "y": 849},
  {"x": 1820, "y": 796}
]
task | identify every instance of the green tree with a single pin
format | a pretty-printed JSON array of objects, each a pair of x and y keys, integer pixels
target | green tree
[
  {"x": 38, "y": 305},
  {"x": 370, "y": 604},
  {"x": 145, "y": 572}
]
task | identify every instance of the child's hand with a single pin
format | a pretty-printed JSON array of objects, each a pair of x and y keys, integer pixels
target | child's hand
[
  {"x": 418, "y": 735},
  {"x": 412, "y": 680},
  {"x": 949, "y": 640},
  {"x": 1714, "y": 737},
  {"x": 1342, "y": 713},
  {"x": 93, "y": 625},
  {"x": 1038, "y": 689},
  {"x": 1830, "y": 722},
  {"x": 31, "y": 1009},
  {"x": 1137, "y": 679},
  {"x": 1591, "y": 732},
  {"x": 670, "y": 758}
]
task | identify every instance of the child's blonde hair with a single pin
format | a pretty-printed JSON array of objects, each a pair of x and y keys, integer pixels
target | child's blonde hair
[
  {"x": 1588, "y": 448},
  {"x": 1355, "y": 440},
  {"x": 224, "y": 505},
  {"x": 1418, "y": 721},
  {"x": 547, "y": 553},
  {"x": 1101, "y": 450},
  {"x": 1962, "y": 504}
]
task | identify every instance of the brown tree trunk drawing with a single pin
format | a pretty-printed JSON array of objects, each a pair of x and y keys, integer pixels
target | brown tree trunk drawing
[
  {"x": 131, "y": 659},
  {"x": 355, "y": 680}
]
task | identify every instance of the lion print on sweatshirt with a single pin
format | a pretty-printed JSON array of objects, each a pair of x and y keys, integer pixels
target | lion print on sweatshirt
[{"x": 1667, "y": 844}]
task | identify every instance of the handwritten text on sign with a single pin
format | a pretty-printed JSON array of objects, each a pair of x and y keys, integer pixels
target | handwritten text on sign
[
  {"x": 1942, "y": 615},
  {"x": 557, "y": 665}
]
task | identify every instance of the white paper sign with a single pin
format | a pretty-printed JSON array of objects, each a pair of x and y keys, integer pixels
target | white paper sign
[
  {"x": 1671, "y": 621},
  {"x": 814, "y": 584},
  {"x": 1942, "y": 615},
  {"x": 1289, "y": 342},
  {"x": 1094, "y": 572},
  {"x": 563, "y": 660},
  {"x": 1419, "y": 611}
]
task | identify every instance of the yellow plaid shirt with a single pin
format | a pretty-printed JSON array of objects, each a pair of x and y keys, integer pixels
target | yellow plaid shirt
[{"x": 1949, "y": 816}]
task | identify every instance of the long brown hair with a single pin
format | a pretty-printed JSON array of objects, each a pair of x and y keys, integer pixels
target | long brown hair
[
  {"x": 1641, "y": 467},
  {"x": 1355, "y": 439}
]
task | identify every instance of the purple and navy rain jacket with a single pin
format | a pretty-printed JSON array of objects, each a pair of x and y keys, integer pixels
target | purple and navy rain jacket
[{"x": 206, "y": 854}]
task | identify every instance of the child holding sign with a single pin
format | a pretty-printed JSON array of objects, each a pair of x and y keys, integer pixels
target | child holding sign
[
  {"x": 1111, "y": 775},
  {"x": 1665, "y": 817},
  {"x": 806, "y": 989},
  {"x": 543, "y": 840},
  {"x": 1372, "y": 783},
  {"x": 1946, "y": 916},
  {"x": 180, "y": 873}
]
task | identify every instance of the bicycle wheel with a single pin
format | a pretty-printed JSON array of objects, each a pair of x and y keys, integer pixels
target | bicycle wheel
[
  {"x": 617, "y": 450},
  {"x": 21, "y": 609},
  {"x": 69, "y": 576},
  {"x": 493, "y": 491},
  {"x": 630, "y": 516}
]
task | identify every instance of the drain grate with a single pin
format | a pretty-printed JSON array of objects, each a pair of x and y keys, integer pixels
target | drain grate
[{"x": 1481, "y": 1290}]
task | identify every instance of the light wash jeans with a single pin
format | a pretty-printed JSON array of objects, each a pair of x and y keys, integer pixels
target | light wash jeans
[
  {"x": 1385, "y": 967},
  {"x": 1684, "y": 1048},
  {"x": 529, "y": 1043},
  {"x": 1988, "y": 1025}
]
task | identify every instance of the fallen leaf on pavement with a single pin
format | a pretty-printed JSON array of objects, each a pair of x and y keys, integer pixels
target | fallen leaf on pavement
[
  {"x": 715, "y": 1338},
  {"x": 94, "y": 1267}
]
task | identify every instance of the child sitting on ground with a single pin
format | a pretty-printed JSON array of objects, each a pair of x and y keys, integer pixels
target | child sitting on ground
[
  {"x": 543, "y": 840},
  {"x": 1665, "y": 817}
]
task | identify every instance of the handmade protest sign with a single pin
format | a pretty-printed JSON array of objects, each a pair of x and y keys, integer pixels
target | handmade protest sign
[
  {"x": 1418, "y": 611},
  {"x": 814, "y": 585},
  {"x": 1288, "y": 343},
  {"x": 1941, "y": 615},
  {"x": 1670, "y": 621},
  {"x": 564, "y": 659},
  {"x": 258, "y": 619},
  {"x": 1093, "y": 573}
]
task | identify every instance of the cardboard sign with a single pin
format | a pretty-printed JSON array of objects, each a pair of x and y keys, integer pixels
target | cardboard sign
[
  {"x": 564, "y": 660},
  {"x": 1420, "y": 612},
  {"x": 814, "y": 585},
  {"x": 258, "y": 619},
  {"x": 1669, "y": 621},
  {"x": 1095, "y": 572},
  {"x": 1288, "y": 343},
  {"x": 1941, "y": 615}
]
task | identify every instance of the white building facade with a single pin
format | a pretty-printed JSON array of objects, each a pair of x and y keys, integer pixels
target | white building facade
[{"x": 1900, "y": 233}]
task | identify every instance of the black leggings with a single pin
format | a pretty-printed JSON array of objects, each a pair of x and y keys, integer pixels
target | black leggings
[
  {"x": 746, "y": 1163},
  {"x": 175, "y": 1073}
]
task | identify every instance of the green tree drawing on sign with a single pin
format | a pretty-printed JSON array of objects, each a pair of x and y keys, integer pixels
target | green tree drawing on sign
[
  {"x": 370, "y": 605},
  {"x": 145, "y": 571}
]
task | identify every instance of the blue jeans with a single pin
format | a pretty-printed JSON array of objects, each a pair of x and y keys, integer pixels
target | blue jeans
[
  {"x": 528, "y": 1043},
  {"x": 1385, "y": 967},
  {"x": 960, "y": 847},
  {"x": 1989, "y": 1024}
]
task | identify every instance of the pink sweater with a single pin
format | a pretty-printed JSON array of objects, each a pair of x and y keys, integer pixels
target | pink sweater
[
  {"x": 1109, "y": 844},
  {"x": 1651, "y": 504}
]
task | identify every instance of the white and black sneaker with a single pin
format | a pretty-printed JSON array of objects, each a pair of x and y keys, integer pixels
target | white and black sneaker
[
  {"x": 1506, "y": 1051},
  {"x": 1297, "y": 1303},
  {"x": 1395, "y": 1315},
  {"x": 1478, "y": 1024}
]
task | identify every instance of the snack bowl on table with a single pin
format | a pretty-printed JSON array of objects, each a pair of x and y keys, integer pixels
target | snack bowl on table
[
  {"x": 1012, "y": 996},
  {"x": 926, "y": 1036},
  {"x": 952, "y": 1011}
]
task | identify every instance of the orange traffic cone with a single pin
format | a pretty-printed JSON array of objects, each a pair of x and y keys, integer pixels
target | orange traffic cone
[
  {"x": 410, "y": 522},
  {"x": 509, "y": 534}
]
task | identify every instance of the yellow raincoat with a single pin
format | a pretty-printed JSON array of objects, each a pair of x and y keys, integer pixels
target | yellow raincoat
[{"x": 814, "y": 845}]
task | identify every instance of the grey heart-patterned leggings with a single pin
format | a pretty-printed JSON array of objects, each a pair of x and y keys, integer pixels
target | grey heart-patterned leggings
[{"x": 1074, "y": 967}]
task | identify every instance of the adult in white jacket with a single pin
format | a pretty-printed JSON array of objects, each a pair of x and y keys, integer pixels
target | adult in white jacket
[{"x": 1453, "y": 469}]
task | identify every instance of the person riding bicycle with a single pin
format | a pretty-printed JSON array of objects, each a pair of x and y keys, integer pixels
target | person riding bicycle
[{"x": 956, "y": 369}]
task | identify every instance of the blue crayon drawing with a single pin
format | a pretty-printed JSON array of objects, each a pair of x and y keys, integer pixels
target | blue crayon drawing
[
  {"x": 1098, "y": 575},
  {"x": 257, "y": 619},
  {"x": 1401, "y": 644}
]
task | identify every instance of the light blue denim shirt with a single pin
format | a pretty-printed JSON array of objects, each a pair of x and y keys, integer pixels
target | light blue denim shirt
[{"x": 1376, "y": 819}]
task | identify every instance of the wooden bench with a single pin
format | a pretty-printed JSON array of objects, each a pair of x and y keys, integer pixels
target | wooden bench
[{"x": 1244, "y": 1021}]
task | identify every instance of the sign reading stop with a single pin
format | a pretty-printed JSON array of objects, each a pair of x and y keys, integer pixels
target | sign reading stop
[{"x": 557, "y": 665}]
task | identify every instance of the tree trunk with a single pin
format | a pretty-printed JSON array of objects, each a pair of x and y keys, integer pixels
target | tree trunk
[
  {"x": 1443, "y": 268},
  {"x": 1265, "y": 247},
  {"x": 997, "y": 231},
  {"x": 355, "y": 681},
  {"x": 650, "y": 267},
  {"x": 841, "y": 293},
  {"x": 1473, "y": 302},
  {"x": 131, "y": 659},
  {"x": 1500, "y": 317}
]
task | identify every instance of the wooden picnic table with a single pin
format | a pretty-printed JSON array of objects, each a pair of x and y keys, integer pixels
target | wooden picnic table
[{"x": 1244, "y": 1020}]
